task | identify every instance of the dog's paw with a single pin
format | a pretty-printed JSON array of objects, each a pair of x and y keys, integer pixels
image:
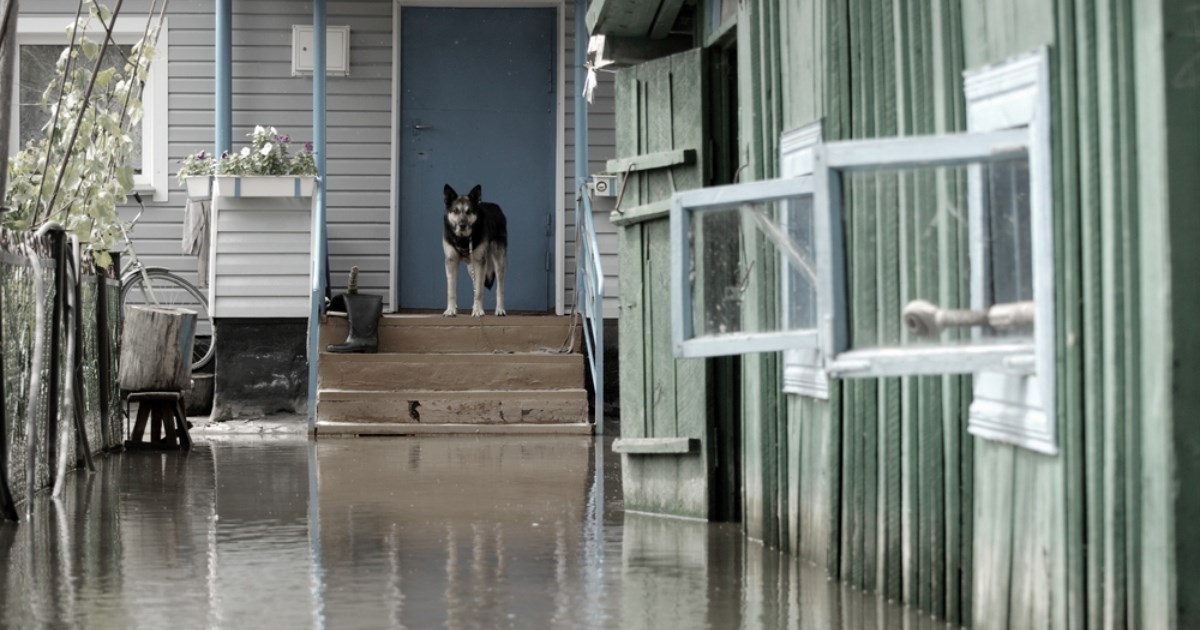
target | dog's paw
[
  {"x": 500, "y": 312},
  {"x": 450, "y": 312},
  {"x": 477, "y": 310}
]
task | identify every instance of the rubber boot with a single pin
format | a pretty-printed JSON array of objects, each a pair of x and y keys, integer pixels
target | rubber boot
[{"x": 364, "y": 312}]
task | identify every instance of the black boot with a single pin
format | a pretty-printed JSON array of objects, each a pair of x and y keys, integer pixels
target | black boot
[{"x": 363, "y": 312}]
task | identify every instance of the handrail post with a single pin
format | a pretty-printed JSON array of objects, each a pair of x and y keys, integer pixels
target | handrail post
[{"x": 318, "y": 247}]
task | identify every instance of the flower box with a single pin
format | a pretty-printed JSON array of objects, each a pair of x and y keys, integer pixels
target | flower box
[
  {"x": 199, "y": 187},
  {"x": 296, "y": 186}
]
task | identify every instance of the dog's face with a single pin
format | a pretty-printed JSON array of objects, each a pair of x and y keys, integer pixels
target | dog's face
[{"x": 462, "y": 210}]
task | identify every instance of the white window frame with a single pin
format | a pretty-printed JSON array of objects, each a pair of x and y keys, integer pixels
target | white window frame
[
  {"x": 804, "y": 368},
  {"x": 51, "y": 30},
  {"x": 1010, "y": 116},
  {"x": 684, "y": 206},
  {"x": 1018, "y": 409}
]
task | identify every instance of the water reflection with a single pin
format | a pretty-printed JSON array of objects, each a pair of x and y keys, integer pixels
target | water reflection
[{"x": 455, "y": 532}]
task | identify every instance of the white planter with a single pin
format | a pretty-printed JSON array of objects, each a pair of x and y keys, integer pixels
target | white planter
[
  {"x": 264, "y": 186},
  {"x": 199, "y": 187}
]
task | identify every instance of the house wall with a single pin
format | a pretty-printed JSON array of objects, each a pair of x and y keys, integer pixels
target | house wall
[
  {"x": 881, "y": 484},
  {"x": 359, "y": 122}
]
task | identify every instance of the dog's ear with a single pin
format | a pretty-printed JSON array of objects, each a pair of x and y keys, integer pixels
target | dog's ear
[
  {"x": 475, "y": 194},
  {"x": 450, "y": 195}
]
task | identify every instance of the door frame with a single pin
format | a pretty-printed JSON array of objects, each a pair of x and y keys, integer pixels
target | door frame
[{"x": 560, "y": 210}]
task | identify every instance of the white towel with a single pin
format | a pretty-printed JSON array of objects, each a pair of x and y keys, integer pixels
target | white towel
[{"x": 195, "y": 237}]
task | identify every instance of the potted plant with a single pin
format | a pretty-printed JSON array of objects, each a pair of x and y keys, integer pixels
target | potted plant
[
  {"x": 196, "y": 174},
  {"x": 260, "y": 228},
  {"x": 266, "y": 168}
]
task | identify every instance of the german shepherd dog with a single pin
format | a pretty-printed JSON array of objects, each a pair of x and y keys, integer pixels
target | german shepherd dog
[{"x": 474, "y": 232}]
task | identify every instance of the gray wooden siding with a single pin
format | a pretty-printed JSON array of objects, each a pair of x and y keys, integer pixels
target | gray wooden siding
[{"x": 359, "y": 119}]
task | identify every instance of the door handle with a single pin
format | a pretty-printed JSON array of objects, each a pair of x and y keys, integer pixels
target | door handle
[{"x": 422, "y": 126}]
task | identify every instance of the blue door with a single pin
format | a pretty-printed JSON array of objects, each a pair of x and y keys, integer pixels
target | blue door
[{"x": 477, "y": 107}]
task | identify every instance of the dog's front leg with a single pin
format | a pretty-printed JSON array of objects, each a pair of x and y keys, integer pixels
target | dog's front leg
[
  {"x": 475, "y": 266},
  {"x": 499, "y": 262},
  {"x": 451, "y": 286}
]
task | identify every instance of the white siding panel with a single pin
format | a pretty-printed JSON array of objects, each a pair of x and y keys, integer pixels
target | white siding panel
[{"x": 252, "y": 307}]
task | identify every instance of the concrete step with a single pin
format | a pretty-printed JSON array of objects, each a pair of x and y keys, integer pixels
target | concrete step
[
  {"x": 396, "y": 372},
  {"x": 565, "y": 406},
  {"x": 434, "y": 333},
  {"x": 353, "y": 429}
]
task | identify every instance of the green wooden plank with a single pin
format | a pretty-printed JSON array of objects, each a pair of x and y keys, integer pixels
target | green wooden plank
[
  {"x": 1069, "y": 291},
  {"x": 639, "y": 214},
  {"x": 661, "y": 378},
  {"x": 651, "y": 161},
  {"x": 1112, "y": 265},
  {"x": 656, "y": 446},
  {"x": 1092, "y": 294},
  {"x": 634, "y": 421},
  {"x": 1127, "y": 98},
  {"x": 994, "y": 516}
]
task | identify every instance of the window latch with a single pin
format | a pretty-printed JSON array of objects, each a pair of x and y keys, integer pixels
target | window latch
[{"x": 925, "y": 319}]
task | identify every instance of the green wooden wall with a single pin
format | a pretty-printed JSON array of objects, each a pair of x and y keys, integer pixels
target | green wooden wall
[{"x": 882, "y": 485}]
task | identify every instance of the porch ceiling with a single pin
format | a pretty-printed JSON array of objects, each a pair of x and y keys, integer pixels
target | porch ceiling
[{"x": 652, "y": 19}]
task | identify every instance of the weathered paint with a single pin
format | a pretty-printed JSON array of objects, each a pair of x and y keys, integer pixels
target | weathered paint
[
  {"x": 661, "y": 396},
  {"x": 882, "y": 485}
]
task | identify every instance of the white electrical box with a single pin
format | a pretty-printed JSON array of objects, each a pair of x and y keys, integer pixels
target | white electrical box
[
  {"x": 604, "y": 185},
  {"x": 337, "y": 50}
]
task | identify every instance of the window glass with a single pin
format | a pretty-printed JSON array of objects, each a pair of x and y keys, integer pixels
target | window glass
[
  {"x": 934, "y": 225},
  {"x": 732, "y": 244},
  {"x": 37, "y": 70}
]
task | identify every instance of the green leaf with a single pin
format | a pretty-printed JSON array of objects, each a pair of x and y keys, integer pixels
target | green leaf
[
  {"x": 125, "y": 176},
  {"x": 90, "y": 49}
]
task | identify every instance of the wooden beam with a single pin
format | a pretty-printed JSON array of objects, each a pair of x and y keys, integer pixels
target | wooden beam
[
  {"x": 651, "y": 161},
  {"x": 656, "y": 446}
]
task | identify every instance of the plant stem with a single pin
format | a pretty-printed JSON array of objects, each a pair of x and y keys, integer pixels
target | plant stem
[
  {"x": 87, "y": 96},
  {"x": 62, "y": 90}
]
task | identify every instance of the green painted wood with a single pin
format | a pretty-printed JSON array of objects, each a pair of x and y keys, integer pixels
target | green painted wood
[
  {"x": 1169, "y": 96},
  {"x": 1069, "y": 290},
  {"x": 656, "y": 446},
  {"x": 1089, "y": 167},
  {"x": 993, "y": 542},
  {"x": 638, "y": 214},
  {"x": 651, "y": 161},
  {"x": 631, "y": 323}
]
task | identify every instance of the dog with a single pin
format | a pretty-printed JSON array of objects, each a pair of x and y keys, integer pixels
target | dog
[{"x": 475, "y": 232}]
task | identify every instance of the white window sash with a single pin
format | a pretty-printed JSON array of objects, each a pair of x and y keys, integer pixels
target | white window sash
[
  {"x": 834, "y": 159},
  {"x": 684, "y": 206}
]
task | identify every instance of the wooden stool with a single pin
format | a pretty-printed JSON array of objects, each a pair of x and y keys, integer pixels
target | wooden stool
[{"x": 164, "y": 410}]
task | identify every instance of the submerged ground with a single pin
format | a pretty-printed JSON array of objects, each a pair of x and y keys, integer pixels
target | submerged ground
[{"x": 421, "y": 532}]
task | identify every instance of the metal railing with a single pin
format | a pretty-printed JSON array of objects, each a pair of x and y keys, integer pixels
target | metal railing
[{"x": 589, "y": 297}]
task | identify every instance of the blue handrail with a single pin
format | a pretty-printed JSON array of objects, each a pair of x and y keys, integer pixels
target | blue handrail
[{"x": 589, "y": 298}]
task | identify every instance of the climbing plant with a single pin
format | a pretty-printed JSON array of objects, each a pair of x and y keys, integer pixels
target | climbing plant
[{"x": 76, "y": 170}]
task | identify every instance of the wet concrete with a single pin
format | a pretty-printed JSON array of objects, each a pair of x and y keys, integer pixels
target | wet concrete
[{"x": 419, "y": 532}]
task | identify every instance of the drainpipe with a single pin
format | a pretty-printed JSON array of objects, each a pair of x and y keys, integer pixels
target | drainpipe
[
  {"x": 318, "y": 248},
  {"x": 224, "y": 72}
]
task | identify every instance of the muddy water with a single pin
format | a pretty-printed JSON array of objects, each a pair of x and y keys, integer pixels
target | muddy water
[{"x": 452, "y": 532}]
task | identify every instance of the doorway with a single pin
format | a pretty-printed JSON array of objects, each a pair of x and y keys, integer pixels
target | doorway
[{"x": 478, "y": 98}]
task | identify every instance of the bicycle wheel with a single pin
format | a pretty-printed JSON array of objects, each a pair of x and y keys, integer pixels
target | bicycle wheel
[{"x": 167, "y": 289}]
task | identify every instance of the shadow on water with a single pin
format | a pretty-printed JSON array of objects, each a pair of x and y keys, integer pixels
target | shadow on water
[{"x": 437, "y": 531}]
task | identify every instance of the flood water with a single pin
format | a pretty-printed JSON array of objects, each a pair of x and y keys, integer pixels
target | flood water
[{"x": 419, "y": 532}]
